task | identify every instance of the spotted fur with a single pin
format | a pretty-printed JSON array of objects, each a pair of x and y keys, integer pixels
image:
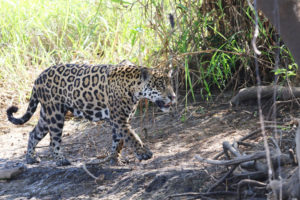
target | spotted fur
[{"x": 98, "y": 92}]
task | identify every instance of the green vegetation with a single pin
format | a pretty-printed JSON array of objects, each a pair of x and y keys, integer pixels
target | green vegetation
[
  {"x": 39, "y": 33},
  {"x": 210, "y": 42}
]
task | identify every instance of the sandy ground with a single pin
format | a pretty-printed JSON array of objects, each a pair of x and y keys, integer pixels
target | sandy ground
[{"x": 174, "y": 138}]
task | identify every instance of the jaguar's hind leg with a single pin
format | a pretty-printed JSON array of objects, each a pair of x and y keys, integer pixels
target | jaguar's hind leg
[
  {"x": 56, "y": 123},
  {"x": 35, "y": 136}
]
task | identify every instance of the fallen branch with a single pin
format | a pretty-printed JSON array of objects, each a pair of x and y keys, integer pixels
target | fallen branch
[
  {"x": 221, "y": 180},
  {"x": 228, "y": 147},
  {"x": 200, "y": 194},
  {"x": 257, "y": 175},
  {"x": 235, "y": 161},
  {"x": 252, "y": 133},
  {"x": 100, "y": 161},
  {"x": 96, "y": 162},
  {"x": 247, "y": 182},
  {"x": 88, "y": 172},
  {"x": 97, "y": 179},
  {"x": 246, "y": 144}
]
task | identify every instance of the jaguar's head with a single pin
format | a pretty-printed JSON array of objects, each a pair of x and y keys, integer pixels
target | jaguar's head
[{"x": 158, "y": 88}]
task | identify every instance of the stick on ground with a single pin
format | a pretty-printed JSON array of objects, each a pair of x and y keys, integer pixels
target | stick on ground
[{"x": 235, "y": 161}]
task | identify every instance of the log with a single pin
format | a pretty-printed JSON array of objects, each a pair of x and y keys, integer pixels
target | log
[{"x": 283, "y": 93}]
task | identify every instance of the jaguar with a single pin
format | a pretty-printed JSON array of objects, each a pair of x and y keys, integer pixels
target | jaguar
[{"x": 94, "y": 92}]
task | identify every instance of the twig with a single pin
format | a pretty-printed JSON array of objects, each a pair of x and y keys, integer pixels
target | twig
[
  {"x": 218, "y": 155},
  {"x": 235, "y": 161},
  {"x": 88, "y": 172},
  {"x": 248, "y": 182},
  {"x": 221, "y": 180},
  {"x": 97, "y": 161},
  {"x": 97, "y": 179},
  {"x": 293, "y": 156},
  {"x": 46, "y": 146},
  {"x": 200, "y": 194},
  {"x": 250, "y": 175},
  {"x": 246, "y": 144},
  {"x": 254, "y": 133}
]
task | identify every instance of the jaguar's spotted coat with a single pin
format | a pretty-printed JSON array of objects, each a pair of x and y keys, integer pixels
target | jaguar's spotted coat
[{"x": 99, "y": 92}]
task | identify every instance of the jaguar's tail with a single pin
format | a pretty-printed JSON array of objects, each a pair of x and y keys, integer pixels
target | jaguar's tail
[{"x": 33, "y": 103}]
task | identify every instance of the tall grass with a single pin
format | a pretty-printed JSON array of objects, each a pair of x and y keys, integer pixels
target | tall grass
[{"x": 38, "y": 33}]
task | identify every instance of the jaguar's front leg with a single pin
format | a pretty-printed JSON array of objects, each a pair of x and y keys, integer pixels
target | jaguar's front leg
[
  {"x": 124, "y": 134},
  {"x": 117, "y": 146}
]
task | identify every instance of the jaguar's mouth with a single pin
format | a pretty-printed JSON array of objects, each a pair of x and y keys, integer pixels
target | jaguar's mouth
[{"x": 161, "y": 104}]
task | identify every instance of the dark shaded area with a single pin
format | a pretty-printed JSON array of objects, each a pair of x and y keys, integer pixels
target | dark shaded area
[{"x": 56, "y": 182}]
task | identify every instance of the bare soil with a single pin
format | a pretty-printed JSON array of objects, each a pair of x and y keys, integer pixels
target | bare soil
[{"x": 174, "y": 138}]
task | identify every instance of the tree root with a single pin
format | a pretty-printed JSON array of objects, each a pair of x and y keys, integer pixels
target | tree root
[{"x": 253, "y": 171}]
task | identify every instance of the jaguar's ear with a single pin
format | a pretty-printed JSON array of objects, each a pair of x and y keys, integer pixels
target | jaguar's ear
[
  {"x": 170, "y": 73},
  {"x": 145, "y": 74}
]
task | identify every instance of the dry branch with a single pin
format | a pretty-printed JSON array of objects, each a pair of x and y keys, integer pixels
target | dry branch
[
  {"x": 97, "y": 179},
  {"x": 257, "y": 175},
  {"x": 235, "y": 161},
  {"x": 250, "y": 135},
  {"x": 247, "y": 182},
  {"x": 200, "y": 194},
  {"x": 228, "y": 147},
  {"x": 221, "y": 180},
  {"x": 96, "y": 162}
]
